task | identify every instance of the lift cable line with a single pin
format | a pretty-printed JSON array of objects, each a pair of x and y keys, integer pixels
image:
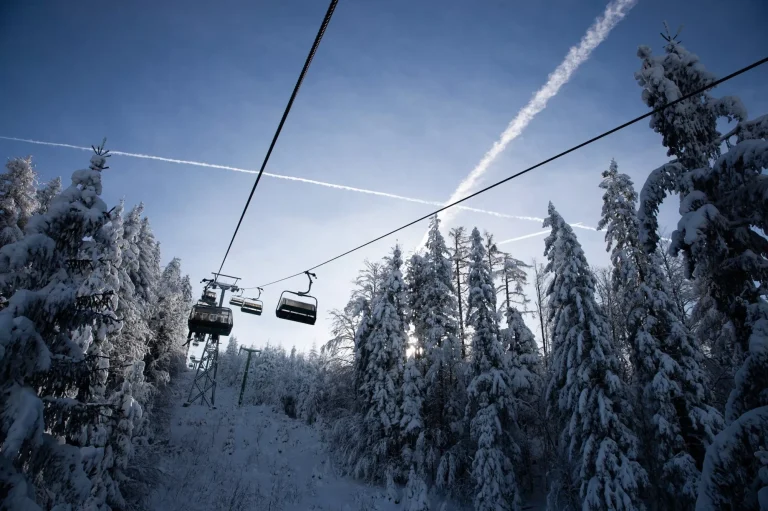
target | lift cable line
[
  {"x": 540, "y": 164},
  {"x": 311, "y": 55}
]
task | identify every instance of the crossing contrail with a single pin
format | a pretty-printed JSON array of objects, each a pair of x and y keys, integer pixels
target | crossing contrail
[
  {"x": 276, "y": 176},
  {"x": 577, "y": 55},
  {"x": 578, "y": 225}
]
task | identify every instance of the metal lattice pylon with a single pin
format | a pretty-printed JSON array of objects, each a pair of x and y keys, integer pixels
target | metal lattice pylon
[{"x": 204, "y": 385}]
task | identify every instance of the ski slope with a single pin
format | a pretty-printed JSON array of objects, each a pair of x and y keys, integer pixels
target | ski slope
[{"x": 252, "y": 458}]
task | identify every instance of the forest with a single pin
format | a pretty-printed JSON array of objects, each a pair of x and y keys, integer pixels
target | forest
[{"x": 639, "y": 385}]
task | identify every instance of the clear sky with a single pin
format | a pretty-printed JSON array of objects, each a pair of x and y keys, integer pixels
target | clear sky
[{"x": 402, "y": 97}]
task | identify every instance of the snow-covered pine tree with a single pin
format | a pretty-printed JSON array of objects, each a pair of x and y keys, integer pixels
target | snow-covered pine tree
[
  {"x": 679, "y": 421},
  {"x": 586, "y": 396},
  {"x": 46, "y": 193},
  {"x": 416, "y": 495},
  {"x": 18, "y": 199},
  {"x": 490, "y": 408},
  {"x": 146, "y": 278},
  {"x": 518, "y": 339},
  {"x": 169, "y": 324},
  {"x": 360, "y": 310},
  {"x": 52, "y": 332},
  {"x": 310, "y": 388},
  {"x": 460, "y": 258},
  {"x": 540, "y": 285},
  {"x": 434, "y": 303},
  {"x": 131, "y": 343},
  {"x": 411, "y": 422},
  {"x": 723, "y": 208},
  {"x": 688, "y": 129},
  {"x": 722, "y": 215},
  {"x": 383, "y": 376},
  {"x": 523, "y": 360},
  {"x": 231, "y": 362},
  {"x": 417, "y": 308}
]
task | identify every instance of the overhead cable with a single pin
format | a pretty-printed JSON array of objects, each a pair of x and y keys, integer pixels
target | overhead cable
[
  {"x": 540, "y": 164},
  {"x": 312, "y": 51}
]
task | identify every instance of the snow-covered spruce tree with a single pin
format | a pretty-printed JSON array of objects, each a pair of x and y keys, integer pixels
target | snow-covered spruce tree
[
  {"x": 310, "y": 388},
  {"x": 231, "y": 362},
  {"x": 434, "y": 308},
  {"x": 490, "y": 408},
  {"x": 360, "y": 309},
  {"x": 460, "y": 260},
  {"x": 586, "y": 396},
  {"x": 417, "y": 308},
  {"x": 383, "y": 378},
  {"x": 416, "y": 494},
  {"x": 523, "y": 361},
  {"x": 688, "y": 129},
  {"x": 146, "y": 278},
  {"x": 723, "y": 207},
  {"x": 52, "y": 333},
  {"x": 518, "y": 339},
  {"x": 18, "y": 199},
  {"x": 675, "y": 396},
  {"x": 169, "y": 324},
  {"x": 722, "y": 215},
  {"x": 411, "y": 422},
  {"x": 46, "y": 193},
  {"x": 131, "y": 342}
]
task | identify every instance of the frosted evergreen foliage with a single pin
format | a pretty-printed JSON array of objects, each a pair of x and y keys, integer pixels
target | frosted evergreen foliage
[
  {"x": 433, "y": 308},
  {"x": 688, "y": 129},
  {"x": 722, "y": 210},
  {"x": 46, "y": 193},
  {"x": 383, "y": 378},
  {"x": 680, "y": 423},
  {"x": 585, "y": 394},
  {"x": 490, "y": 409},
  {"x": 520, "y": 343},
  {"x": 51, "y": 333},
  {"x": 416, "y": 494},
  {"x": 18, "y": 199},
  {"x": 411, "y": 422},
  {"x": 174, "y": 300},
  {"x": 131, "y": 342}
]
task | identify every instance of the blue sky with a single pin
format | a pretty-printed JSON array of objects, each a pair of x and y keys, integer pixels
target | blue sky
[{"x": 403, "y": 97}]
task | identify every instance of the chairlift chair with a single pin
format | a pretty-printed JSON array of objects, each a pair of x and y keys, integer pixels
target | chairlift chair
[
  {"x": 209, "y": 296},
  {"x": 236, "y": 301},
  {"x": 253, "y": 305},
  {"x": 303, "y": 310},
  {"x": 206, "y": 319}
]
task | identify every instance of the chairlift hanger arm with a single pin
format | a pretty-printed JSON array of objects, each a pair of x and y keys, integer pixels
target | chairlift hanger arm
[{"x": 309, "y": 276}]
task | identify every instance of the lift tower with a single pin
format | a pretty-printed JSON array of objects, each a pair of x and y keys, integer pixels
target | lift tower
[{"x": 203, "y": 388}]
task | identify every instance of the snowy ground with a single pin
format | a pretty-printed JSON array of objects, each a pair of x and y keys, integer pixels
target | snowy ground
[
  {"x": 251, "y": 458},
  {"x": 254, "y": 458}
]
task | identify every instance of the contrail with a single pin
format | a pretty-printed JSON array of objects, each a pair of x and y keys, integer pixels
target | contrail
[
  {"x": 277, "y": 176},
  {"x": 578, "y": 225},
  {"x": 577, "y": 55},
  {"x": 525, "y": 237}
]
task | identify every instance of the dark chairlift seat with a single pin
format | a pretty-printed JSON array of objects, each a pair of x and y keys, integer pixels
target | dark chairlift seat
[
  {"x": 295, "y": 310},
  {"x": 302, "y": 309},
  {"x": 252, "y": 307},
  {"x": 206, "y": 319},
  {"x": 236, "y": 301}
]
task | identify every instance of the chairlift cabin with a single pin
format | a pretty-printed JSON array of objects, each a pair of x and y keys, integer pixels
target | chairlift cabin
[
  {"x": 302, "y": 308},
  {"x": 206, "y": 319},
  {"x": 236, "y": 301}
]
